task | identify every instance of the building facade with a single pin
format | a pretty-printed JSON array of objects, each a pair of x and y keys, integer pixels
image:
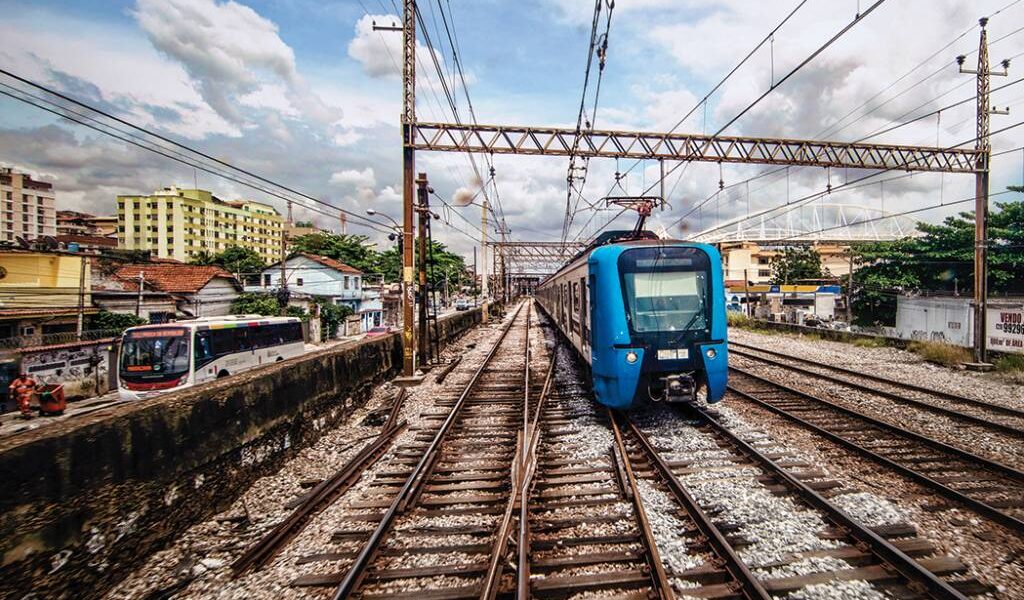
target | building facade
[
  {"x": 27, "y": 207},
  {"x": 40, "y": 294},
  {"x": 70, "y": 222},
  {"x": 322, "y": 277},
  {"x": 181, "y": 224},
  {"x": 751, "y": 261}
]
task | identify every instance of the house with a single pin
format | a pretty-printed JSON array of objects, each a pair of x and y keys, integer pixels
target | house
[
  {"x": 324, "y": 278},
  {"x": 40, "y": 295},
  {"x": 198, "y": 291}
]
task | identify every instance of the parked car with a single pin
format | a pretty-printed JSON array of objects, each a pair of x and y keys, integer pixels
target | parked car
[
  {"x": 378, "y": 331},
  {"x": 462, "y": 304}
]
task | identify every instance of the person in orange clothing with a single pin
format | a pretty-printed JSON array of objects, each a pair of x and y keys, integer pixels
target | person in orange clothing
[{"x": 22, "y": 389}]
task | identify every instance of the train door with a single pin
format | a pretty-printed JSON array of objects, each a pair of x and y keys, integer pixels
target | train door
[{"x": 584, "y": 314}]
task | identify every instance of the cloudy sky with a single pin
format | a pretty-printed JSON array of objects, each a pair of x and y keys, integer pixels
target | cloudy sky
[{"x": 306, "y": 93}]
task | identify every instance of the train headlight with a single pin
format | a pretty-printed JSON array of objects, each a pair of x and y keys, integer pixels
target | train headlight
[
  {"x": 710, "y": 353},
  {"x": 632, "y": 357}
]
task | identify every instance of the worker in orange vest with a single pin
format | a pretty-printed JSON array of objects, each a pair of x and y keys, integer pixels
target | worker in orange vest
[{"x": 22, "y": 389}]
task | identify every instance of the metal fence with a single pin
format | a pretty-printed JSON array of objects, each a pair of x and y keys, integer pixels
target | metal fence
[{"x": 51, "y": 339}]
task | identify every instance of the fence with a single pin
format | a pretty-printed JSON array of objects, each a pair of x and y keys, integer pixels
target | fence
[{"x": 52, "y": 339}]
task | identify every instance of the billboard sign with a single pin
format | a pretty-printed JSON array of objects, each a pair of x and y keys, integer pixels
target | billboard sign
[{"x": 1005, "y": 329}]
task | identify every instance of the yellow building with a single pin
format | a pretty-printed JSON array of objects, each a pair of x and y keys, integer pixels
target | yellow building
[
  {"x": 180, "y": 224},
  {"x": 751, "y": 261},
  {"x": 39, "y": 293}
]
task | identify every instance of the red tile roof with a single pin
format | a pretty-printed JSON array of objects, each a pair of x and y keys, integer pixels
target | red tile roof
[
  {"x": 96, "y": 240},
  {"x": 176, "y": 278},
  {"x": 334, "y": 264}
]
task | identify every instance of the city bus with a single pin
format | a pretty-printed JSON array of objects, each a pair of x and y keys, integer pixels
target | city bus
[{"x": 155, "y": 359}]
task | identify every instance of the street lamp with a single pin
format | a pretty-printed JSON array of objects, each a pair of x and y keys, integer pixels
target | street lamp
[{"x": 372, "y": 213}]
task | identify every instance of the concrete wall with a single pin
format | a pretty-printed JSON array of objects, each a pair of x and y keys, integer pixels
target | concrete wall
[
  {"x": 87, "y": 500},
  {"x": 83, "y": 368},
  {"x": 947, "y": 320}
]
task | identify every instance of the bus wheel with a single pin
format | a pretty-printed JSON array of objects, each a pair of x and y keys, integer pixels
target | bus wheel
[{"x": 223, "y": 373}]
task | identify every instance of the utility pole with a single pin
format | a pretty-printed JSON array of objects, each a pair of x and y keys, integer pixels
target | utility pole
[
  {"x": 746, "y": 293},
  {"x": 984, "y": 150},
  {"x": 408, "y": 30},
  {"x": 484, "y": 287},
  {"x": 849, "y": 292},
  {"x": 138, "y": 299},
  {"x": 476, "y": 293},
  {"x": 423, "y": 209},
  {"x": 81, "y": 296}
]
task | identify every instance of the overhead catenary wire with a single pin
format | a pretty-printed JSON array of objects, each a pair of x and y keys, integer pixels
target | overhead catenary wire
[{"x": 165, "y": 139}]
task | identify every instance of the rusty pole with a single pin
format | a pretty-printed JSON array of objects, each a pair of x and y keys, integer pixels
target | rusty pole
[{"x": 408, "y": 167}]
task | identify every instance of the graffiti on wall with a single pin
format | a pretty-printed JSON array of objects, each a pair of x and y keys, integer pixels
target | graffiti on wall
[{"x": 83, "y": 370}]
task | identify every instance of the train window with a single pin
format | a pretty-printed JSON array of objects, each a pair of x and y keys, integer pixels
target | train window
[
  {"x": 576, "y": 298},
  {"x": 584, "y": 314},
  {"x": 666, "y": 289}
]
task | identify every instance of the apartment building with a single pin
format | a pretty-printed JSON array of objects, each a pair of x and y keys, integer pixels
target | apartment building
[
  {"x": 751, "y": 261},
  {"x": 27, "y": 207},
  {"x": 70, "y": 222},
  {"x": 181, "y": 223}
]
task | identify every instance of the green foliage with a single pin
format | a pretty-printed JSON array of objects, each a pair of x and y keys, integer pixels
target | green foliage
[
  {"x": 295, "y": 311},
  {"x": 104, "y": 320},
  {"x": 331, "y": 316},
  {"x": 870, "y": 342},
  {"x": 234, "y": 259},
  {"x": 308, "y": 224},
  {"x": 942, "y": 260},
  {"x": 1010, "y": 363},
  {"x": 796, "y": 263},
  {"x": 738, "y": 319},
  {"x": 353, "y": 250},
  {"x": 255, "y": 304}
]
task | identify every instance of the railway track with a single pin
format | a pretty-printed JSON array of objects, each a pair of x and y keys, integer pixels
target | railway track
[
  {"x": 992, "y": 489},
  {"x": 986, "y": 415},
  {"x": 452, "y": 489}
]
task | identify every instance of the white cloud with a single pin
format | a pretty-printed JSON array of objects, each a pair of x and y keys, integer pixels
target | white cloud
[
  {"x": 379, "y": 53},
  {"x": 230, "y": 51},
  {"x": 352, "y": 177}
]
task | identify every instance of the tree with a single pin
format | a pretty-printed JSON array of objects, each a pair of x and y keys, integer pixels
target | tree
[
  {"x": 940, "y": 260},
  {"x": 106, "y": 320},
  {"x": 331, "y": 316},
  {"x": 353, "y": 250},
  {"x": 304, "y": 224},
  {"x": 256, "y": 304},
  {"x": 796, "y": 263},
  {"x": 234, "y": 259}
]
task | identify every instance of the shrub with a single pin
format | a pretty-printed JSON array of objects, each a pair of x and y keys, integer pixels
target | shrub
[
  {"x": 1011, "y": 363},
  {"x": 870, "y": 342},
  {"x": 107, "y": 320},
  {"x": 738, "y": 319},
  {"x": 941, "y": 353}
]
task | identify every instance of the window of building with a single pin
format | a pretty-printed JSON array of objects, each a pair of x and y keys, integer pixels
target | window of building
[
  {"x": 346, "y": 282},
  {"x": 25, "y": 197},
  {"x": 24, "y": 227},
  {"x": 7, "y": 195},
  {"x": 764, "y": 272},
  {"x": 298, "y": 281},
  {"x": 39, "y": 200},
  {"x": 266, "y": 280}
]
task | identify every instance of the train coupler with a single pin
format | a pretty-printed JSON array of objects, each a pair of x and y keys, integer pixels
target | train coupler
[{"x": 680, "y": 389}]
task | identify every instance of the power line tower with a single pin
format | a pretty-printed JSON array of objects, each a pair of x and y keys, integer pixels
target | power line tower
[{"x": 983, "y": 147}]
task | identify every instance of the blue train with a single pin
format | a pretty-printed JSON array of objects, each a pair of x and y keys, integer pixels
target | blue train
[{"x": 648, "y": 315}]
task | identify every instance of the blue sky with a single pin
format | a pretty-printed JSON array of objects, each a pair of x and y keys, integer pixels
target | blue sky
[{"x": 302, "y": 92}]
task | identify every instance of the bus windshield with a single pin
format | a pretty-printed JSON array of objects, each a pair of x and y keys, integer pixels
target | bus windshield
[
  {"x": 155, "y": 354},
  {"x": 665, "y": 289}
]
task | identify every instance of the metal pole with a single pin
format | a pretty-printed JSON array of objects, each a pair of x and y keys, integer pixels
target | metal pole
[
  {"x": 424, "y": 214},
  {"x": 746, "y": 292},
  {"x": 138, "y": 299},
  {"x": 81, "y": 296},
  {"x": 849, "y": 292},
  {"x": 484, "y": 286},
  {"x": 408, "y": 167}
]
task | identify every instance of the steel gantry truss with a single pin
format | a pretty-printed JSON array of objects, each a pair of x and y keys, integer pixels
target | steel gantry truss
[
  {"x": 551, "y": 141},
  {"x": 535, "y": 258}
]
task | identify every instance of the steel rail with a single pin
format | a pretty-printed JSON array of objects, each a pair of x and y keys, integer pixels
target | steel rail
[
  {"x": 662, "y": 586},
  {"x": 1013, "y": 412},
  {"x": 745, "y": 580},
  {"x": 979, "y": 506},
  {"x": 523, "y": 573},
  {"x": 260, "y": 553},
  {"x": 357, "y": 569},
  {"x": 492, "y": 578},
  {"x": 981, "y": 421},
  {"x": 907, "y": 567}
]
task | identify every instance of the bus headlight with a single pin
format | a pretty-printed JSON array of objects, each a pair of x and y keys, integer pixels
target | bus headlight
[
  {"x": 631, "y": 357},
  {"x": 710, "y": 353}
]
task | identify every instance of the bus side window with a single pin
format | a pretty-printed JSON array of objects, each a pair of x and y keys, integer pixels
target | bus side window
[{"x": 203, "y": 347}]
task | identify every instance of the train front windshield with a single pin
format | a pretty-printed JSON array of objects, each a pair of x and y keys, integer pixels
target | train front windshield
[
  {"x": 149, "y": 355},
  {"x": 666, "y": 289}
]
